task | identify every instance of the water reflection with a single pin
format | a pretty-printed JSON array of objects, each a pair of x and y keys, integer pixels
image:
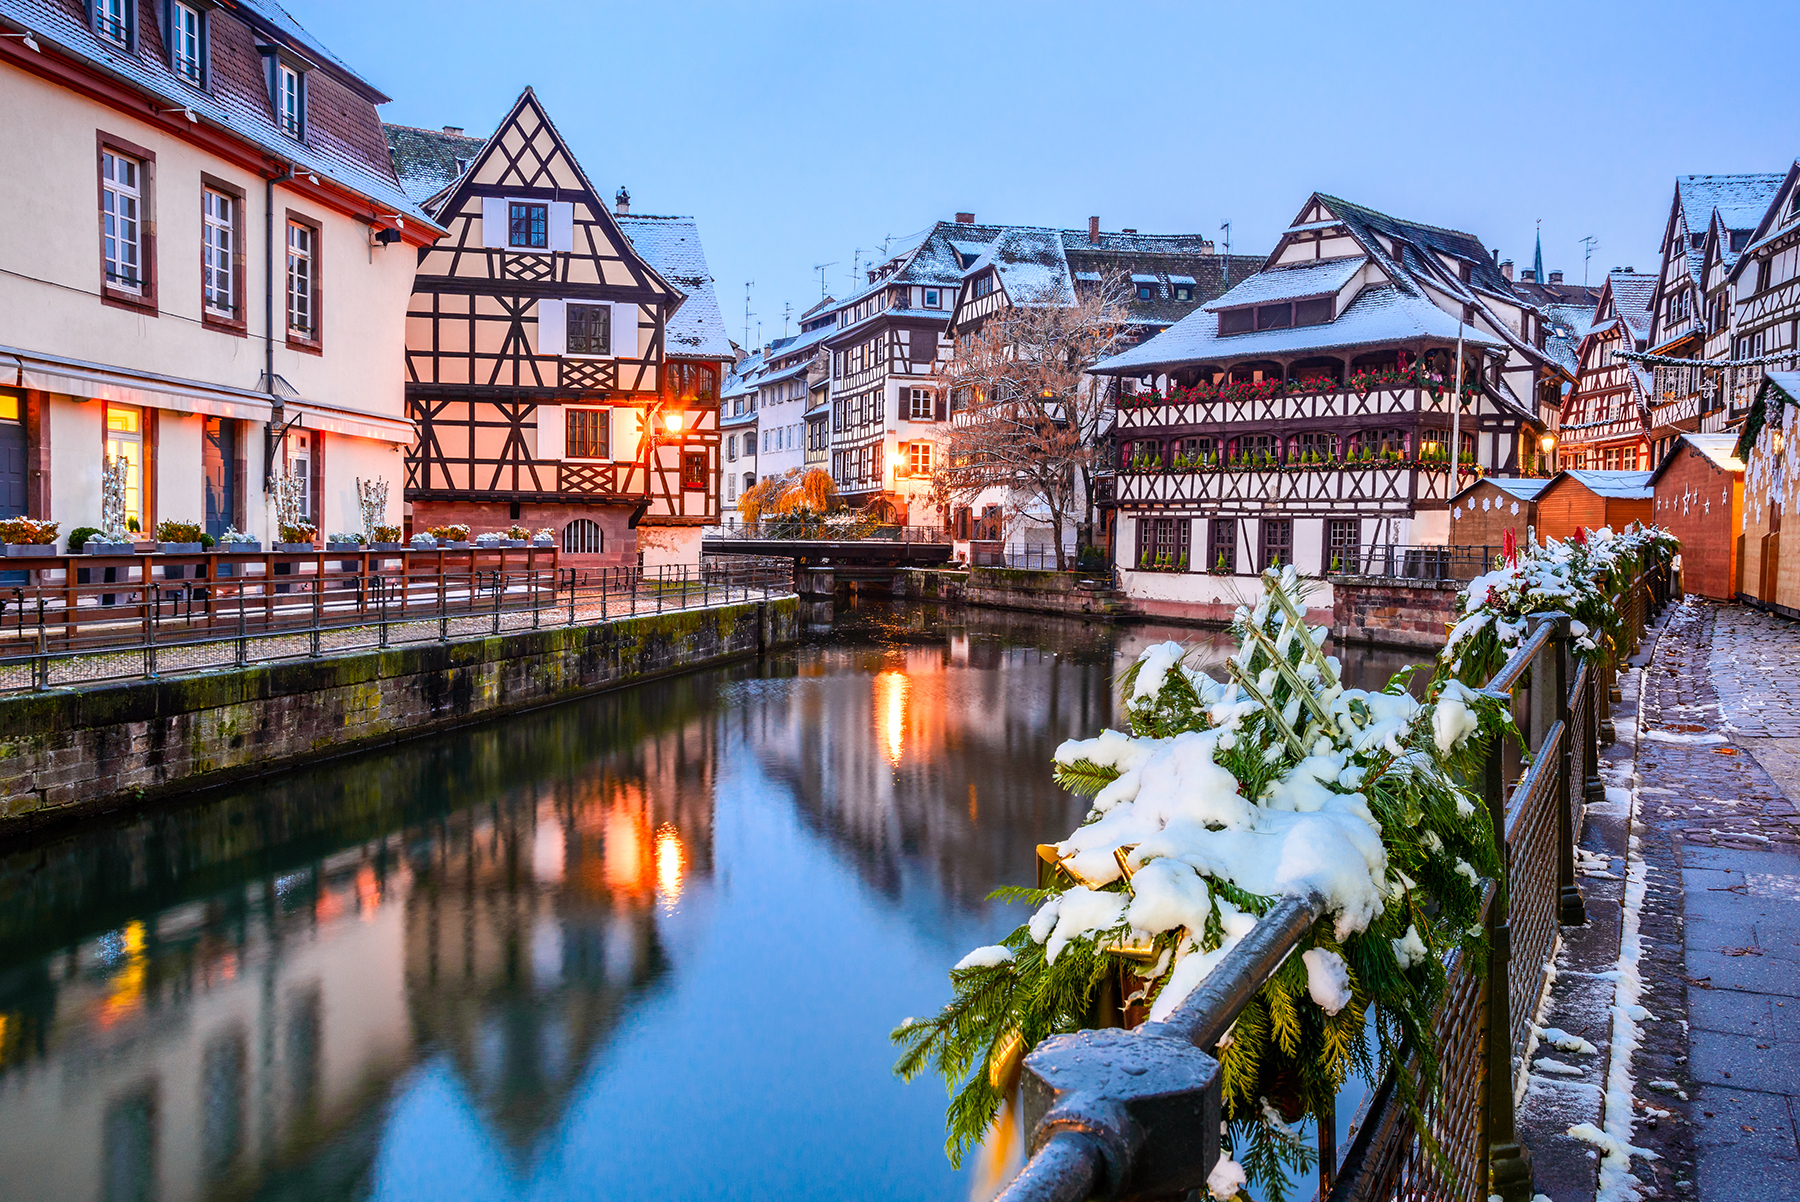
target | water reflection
[{"x": 648, "y": 944}]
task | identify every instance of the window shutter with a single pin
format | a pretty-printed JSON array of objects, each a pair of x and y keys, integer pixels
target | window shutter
[
  {"x": 937, "y": 406},
  {"x": 493, "y": 221},
  {"x": 625, "y": 433},
  {"x": 562, "y": 225},
  {"x": 552, "y": 327},
  {"x": 552, "y": 433},
  {"x": 625, "y": 329}
]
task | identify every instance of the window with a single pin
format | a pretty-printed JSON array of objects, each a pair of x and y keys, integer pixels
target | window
[
  {"x": 299, "y": 466},
  {"x": 125, "y": 443},
  {"x": 302, "y": 281},
  {"x": 692, "y": 381},
  {"x": 112, "y": 21},
  {"x": 933, "y": 298},
  {"x": 1146, "y": 292},
  {"x": 1343, "y": 544},
  {"x": 693, "y": 470},
  {"x": 583, "y": 536},
  {"x": 218, "y": 245},
  {"x": 1184, "y": 292},
  {"x": 1274, "y": 317},
  {"x": 1163, "y": 543},
  {"x": 1277, "y": 542},
  {"x": 731, "y": 487},
  {"x": 984, "y": 285},
  {"x": 585, "y": 433},
  {"x": 918, "y": 458},
  {"x": 1313, "y": 312},
  {"x": 121, "y": 199},
  {"x": 590, "y": 328},
  {"x": 921, "y": 404},
  {"x": 1315, "y": 447},
  {"x": 186, "y": 37},
  {"x": 1237, "y": 321},
  {"x": 219, "y": 466},
  {"x": 1221, "y": 546},
  {"x": 528, "y": 225},
  {"x": 290, "y": 101}
]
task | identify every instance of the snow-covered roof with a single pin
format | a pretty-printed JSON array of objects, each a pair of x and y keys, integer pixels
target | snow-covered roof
[
  {"x": 1787, "y": 381},
  {"x": 1031, "y": 267},
  {"x": 1619, "y": 486},
  {"x": 1379, "y": 315},
  {"x": 1321, "y": 278},
  {"x": 1565, "y": 326},
  {"x": 1700, "y": 195},
  {"x": 1631, "y": 297},
  {"x": 429, "y": 160},
  {"x": 1140, "y": 277},
  {"x": 1720, "y": 448},
  {"x": 1173, "y": 278},
  {"x": 1525, "y": 488},
  {"x": 696, "y": 330},
  {"x": 347, "y": 148}
]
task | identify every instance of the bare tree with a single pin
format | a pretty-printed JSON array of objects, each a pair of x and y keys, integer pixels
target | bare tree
[{"x": 1026, "y": 416}]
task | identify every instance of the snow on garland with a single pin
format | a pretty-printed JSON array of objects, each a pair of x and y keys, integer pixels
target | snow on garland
[
  {"x": 1224, "y": 797},
  {"x": 1277, "y": 782},
  {"x": 1570, "y": 577}
]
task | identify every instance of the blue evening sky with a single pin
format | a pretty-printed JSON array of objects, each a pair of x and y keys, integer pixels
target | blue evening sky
[{"x": 806, "y": 133}]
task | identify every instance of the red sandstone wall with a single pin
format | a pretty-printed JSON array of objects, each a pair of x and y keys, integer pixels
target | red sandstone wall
[
  {"x": 1371, "y": 609},
  {"x": 619, "y": 539}
]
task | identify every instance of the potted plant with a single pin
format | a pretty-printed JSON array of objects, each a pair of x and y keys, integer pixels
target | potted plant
[
  {"x": 544, "y": 538},
  {"x": 385, "y": 538},
  {"x": 296, "y": 538},
  {"x": 517, "y": 535},
  {"x": 454, "y": 536},
  {"x": 178, "y": 538},
  {"x": 423, "y": 542},
  {"x": 28, "y": 537},
  {"x": 490, "y": 538},
  {"x": 348, "y": 541}
]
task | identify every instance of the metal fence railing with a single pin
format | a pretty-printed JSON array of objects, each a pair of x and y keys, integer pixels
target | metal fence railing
[
  {"x": 1401, "y": 562},
  {"x": 1029, "y": 556},
  {"x": 795, "y": 528},
  {"x": 62, "y": 633},
  {"x": 1135, "y": 1114}
]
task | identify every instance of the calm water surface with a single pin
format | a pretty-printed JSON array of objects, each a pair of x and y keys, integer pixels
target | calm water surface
[{"x": 645, "y": 945}]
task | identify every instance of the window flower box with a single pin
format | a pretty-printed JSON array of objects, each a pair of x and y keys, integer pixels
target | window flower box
[
  {"x": 294, "y": 548},
  {"x": 344, "y": 546},
  {"x": 253, "y": 547},
  {"x": 96, "y": 547},
  {"x": 387, "y": 546},
  {"x": 180, "y": 548},
  {"x": 514, "y": 542},
  {"x": 455, "y": 545},
  {"x": 29, "y": 550}
]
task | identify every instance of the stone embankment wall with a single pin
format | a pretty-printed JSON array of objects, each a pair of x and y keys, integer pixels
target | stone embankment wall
[
  {"x": 1378, "y": 609},
  {"x": 78, "y": 751},
  {"x": 1012, "y": 588}
]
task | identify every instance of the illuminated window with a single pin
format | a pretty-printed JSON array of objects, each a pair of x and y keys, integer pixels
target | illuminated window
[
  {"x": 918, "y": 458},
  {"x": 125, "y": 443}
]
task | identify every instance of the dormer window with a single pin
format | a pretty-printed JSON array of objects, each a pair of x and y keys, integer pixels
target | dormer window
[
  {"x": 1696, "y": 240},
  {"x": 290, "y": 107},
  {"x": 984, "y": 285},
  {"x": 1146, "y": 292},
  {"x": 1184, "y": 292},
  {"x": 187, "y": 43},
  {"x": 112, "y": 21}
]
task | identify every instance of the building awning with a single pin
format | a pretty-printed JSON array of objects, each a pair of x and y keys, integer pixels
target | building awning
[
  {"x": 354, "y": 422},
  {"x": 94, "y": 381}
]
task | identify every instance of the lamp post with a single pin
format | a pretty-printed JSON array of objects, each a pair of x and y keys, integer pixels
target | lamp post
[{"x": 1547, "y": 445}]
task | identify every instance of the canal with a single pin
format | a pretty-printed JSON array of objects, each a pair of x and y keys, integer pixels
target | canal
[{"x": 649, "y": 944}]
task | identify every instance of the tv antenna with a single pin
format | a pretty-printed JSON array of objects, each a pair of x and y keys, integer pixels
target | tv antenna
[
  {"x": 855, "y": 267},
  {"x": 1227, "y": 228},
  {"x": 787, "y": 311},
  {"x": 747, "y": 314},
  {"x": 1589, "y": 243},
  {"x": 820, "y": 268}
]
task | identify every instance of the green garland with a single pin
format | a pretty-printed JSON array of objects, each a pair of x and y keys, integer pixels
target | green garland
[{"x": 1310, "y": 758}]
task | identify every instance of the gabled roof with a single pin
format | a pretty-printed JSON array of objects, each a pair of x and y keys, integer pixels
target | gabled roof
[
  {"x": 1564, "y": 327},
  {"x": 1031, "y": 266},
  {"x": 1525, "y": 488},
  {"x": 1322, "y": 277},
  {"x": 346, "y": 148},
  {"x": 1379, "y": 315},
  {"x": 427, "y": 161},
  {"x": 1720, "y": 448},
  {"x": 1740, "y": 200},
  {"x": 1618, "y": 486},
  {"x": 1365, "y": 224},
  {"x": 1774, "y": 217},
  {"x": 1631, "y": 294},
  {"x": 695, "y": 330}
]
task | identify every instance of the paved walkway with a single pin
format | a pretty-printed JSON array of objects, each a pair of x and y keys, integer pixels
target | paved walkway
[{"x": 1721, "y": 809}]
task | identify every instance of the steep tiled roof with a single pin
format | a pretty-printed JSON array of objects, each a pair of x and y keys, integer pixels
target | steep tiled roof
[
  {"x": 1564, "y": 328},
  {"x": 1414, "y": 236},
  {"x": 343, "y": 141},
  {"x": 426, "y": 161},
  {"x": 1740, "y": 200},
  {"x": 672, "y": 246},
  {"x": 1631, "y": 297},
  {"x": 1320, "y": 278}
]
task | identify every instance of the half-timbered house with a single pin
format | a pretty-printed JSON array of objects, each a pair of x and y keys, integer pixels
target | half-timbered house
[
  {"x": 1605, "y": 418},
  {"x": 1690, "y": 320},
  {"x": 1763, "y": 292},
  {"x": 563, "y": 359},
  {"x": 1306, "y": 415}
]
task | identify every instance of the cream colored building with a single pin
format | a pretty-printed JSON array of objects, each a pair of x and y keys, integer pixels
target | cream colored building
[{"x": 206, "y": 268}]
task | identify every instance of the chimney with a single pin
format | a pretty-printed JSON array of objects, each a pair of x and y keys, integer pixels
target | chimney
[
  {"x": 1556, "y": 277},
  {"x": 965, "y": 219},
  {"x": 1094, "y": 230},
  {"x": 1206, "y": 246},
  {"x": 622, "y": 202},
  {"x": 454, "y": 129},
  {"x": 1506, "y": 270},
  {"x": 1529, "y": 275}
]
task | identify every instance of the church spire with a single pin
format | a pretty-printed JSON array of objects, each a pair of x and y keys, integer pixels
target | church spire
[{"x": 1537, "y": 265}]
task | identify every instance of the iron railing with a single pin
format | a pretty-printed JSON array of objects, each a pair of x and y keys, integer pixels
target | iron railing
[
  {"x": 1402, "y": 562},
  {"x": 58, "y": 634},
  {"x": 785, "y": 529},
  {"x": 1029, "y": 556},
  {"x": 1135, "y": 1114}
]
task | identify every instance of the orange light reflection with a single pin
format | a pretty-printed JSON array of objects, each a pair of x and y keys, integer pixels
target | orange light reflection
[
  {"x": 890, "y": 712},
  {"x": 671, "y": 862}
]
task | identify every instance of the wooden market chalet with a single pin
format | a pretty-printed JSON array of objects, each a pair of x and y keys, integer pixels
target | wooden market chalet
[
  {"x": 563, "y": 357},
  {"x": 1305, "y": 416}
]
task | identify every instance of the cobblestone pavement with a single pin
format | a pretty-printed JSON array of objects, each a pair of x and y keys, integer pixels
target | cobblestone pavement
[{"x": 1721, "y": 836}]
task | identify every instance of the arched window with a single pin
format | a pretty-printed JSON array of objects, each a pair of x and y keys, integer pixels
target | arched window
[
  {"x": 692, "y": 382},
  {"x": 583, "y": 536},
  {"x": 1315, "y": 446}
]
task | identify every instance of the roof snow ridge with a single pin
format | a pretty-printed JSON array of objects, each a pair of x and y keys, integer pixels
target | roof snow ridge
[{"x": 1437, "y": 229}]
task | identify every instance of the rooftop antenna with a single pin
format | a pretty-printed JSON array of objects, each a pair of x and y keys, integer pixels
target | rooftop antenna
[
  {"x": 855, "y": 267},
  {"x": 1590, "y": 242},
  {"x": 787, "y": 311},
  {"x": 820, "y": 268},
  {"x": 747, "y": 314},
  {"x": 1227, "y": 228},
  {"x": 884, "y": 246}
]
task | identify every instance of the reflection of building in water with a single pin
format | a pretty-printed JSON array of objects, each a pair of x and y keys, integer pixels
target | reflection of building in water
[
  {"x": 250, "y": 1040},
  {"x": 531, "y": 926},
  {"x": 186, "y": 1055}
]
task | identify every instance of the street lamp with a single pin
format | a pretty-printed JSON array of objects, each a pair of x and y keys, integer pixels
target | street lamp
[{"x": 672, "y": 421}]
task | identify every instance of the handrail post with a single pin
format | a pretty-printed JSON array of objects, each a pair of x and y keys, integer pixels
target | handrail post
[
  {"x": 1509, "y": 1162},
  {"x": 1571, "y": 907},
  {"x": 318, "y": 614},
  {"x": 444, "y": 609},
  {"x": 41, "y": 669}
]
